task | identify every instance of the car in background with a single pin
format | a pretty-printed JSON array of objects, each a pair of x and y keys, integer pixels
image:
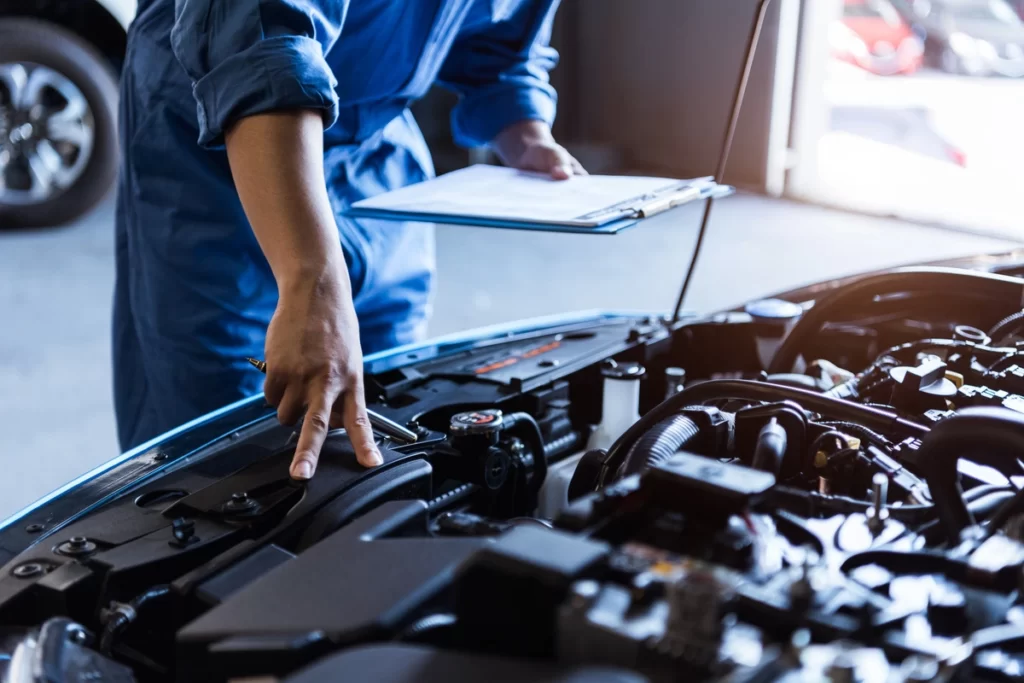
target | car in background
[
  {"x": 908, "y": 128},
  {"x": 873, "y": 36},
  {"x": 971, "y": 37},
  {"x": 59, "y": 64}
]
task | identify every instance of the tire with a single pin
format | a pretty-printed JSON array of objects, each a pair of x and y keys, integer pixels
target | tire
[{"x": 41, "y": 45}]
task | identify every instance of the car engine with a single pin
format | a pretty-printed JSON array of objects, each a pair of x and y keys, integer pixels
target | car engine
[{"x": 825, "y": 486}]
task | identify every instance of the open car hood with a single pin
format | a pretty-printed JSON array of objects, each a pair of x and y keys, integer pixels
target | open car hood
[{"x": 821, "y": 484}]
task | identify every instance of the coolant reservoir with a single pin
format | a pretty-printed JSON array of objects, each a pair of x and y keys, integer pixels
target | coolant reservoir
[
  {"x": 773, "y": 319},
  {"x": 620, "y": 402}
]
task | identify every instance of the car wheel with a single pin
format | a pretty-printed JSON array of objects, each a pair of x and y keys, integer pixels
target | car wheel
[{"x": 58, "y": 124}]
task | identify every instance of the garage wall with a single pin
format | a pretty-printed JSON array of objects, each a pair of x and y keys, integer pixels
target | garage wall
[
  {"x": 648, "y": 83},
  {"x": 656, "y": 78}
]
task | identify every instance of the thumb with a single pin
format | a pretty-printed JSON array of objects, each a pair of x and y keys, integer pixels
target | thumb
[
  {"x": 561, "y": 171},
  {"x": 558, "y": 163}
]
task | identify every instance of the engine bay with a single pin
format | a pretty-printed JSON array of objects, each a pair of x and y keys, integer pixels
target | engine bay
[{"x": 826, "y": 486}]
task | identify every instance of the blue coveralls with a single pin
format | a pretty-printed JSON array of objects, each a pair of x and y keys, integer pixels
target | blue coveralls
[{"x": 194, "y": 292}]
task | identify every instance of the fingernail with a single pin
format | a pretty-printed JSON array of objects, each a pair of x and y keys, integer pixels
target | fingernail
[
  {"x": 302, "y": 471},
  {"x": 565, "y": 170},
  {"x": 376, "y": 459}
]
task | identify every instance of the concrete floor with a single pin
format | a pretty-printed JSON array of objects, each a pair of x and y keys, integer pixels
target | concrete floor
[{"x": 55, "y": 292}]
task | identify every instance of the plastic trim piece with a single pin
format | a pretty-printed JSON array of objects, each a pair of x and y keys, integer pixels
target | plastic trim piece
[{"x": 461, "y": 338}]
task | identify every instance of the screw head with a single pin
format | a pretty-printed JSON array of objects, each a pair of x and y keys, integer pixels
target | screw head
[
  {"x": 28, "y": 570},
  {"x": 78, "y": 636},
  {"x": 240, "y": 502},
  {"x": 160, "y": 457},
  {"x": 76, "y": 546},
  {"x": 35, "y": 528},
  {"x": 584, "y": 592}
]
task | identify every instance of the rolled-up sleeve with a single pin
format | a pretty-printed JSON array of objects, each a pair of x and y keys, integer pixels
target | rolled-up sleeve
[
  {"x": 501, "y": 74},
  {"x": 247, "y": 57}
]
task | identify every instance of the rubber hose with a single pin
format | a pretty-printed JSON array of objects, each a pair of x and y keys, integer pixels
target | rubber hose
[
  {"x": 524, "y": 426},
  {"x": 830, "y": 434},
  {"x": 992, "y": 502},
  {"x": 123, "y": 618},
  {"x": 834, "y": 408},
  {"x": 983, "y": 285},
  {"x": 1013, "y": 507},
  {"x": 813, "y": 504},
  {"x": 1007, "y": 326},
  {"x": 859, "y": 431},
  {"x": 792, "y": 379},
  {"x": 984, "y": 490},
  {"x": 901, "y": 352},
  {"x": 660, "y": 443},
  {"x": 992, "y": 436},
  {"x": 770, "y": 450}
]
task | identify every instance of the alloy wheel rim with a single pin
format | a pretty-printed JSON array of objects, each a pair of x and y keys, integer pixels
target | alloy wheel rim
[{"x": 47, "y": 133}]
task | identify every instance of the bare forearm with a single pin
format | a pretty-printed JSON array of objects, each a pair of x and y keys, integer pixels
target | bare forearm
[
  {"x": 314, "y": 362},
  {"x": 277, "y": 164}
]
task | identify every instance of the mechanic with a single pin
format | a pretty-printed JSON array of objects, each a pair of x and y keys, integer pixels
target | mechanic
[{"x": 247, "y": 128}]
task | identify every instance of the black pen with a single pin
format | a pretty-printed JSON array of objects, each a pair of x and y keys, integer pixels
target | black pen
[{"x": 382, "y": 424}]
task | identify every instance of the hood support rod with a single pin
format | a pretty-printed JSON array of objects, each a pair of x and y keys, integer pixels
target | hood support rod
[{"x": 730, "y": 134}]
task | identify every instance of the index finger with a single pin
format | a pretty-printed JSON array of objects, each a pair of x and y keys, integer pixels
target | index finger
[
  {"x": 311, "y": 439},
  {"x": 360, "y": 431}
]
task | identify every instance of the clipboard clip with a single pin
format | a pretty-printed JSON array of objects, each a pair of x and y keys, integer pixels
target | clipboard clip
[
  {"x": 667, "y": 201},
  {"x": 653, "y": 203}
]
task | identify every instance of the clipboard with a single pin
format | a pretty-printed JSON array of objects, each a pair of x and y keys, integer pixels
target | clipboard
[{"x": 495, "y": 197}]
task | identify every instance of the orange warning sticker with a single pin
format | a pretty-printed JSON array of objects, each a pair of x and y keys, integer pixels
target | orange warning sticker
[{"x": 512, "y": 360}]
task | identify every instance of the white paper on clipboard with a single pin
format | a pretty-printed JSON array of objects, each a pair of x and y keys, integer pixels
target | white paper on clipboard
[{"x": 503, "y": 194}]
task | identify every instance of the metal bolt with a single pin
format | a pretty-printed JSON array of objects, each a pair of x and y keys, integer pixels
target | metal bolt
[
  {"x": 675, "y": 381},
  {"x": 240, "y": 502},
  {"x": 78, "y": 636},
  {"x": 878, "y": 515},
  {"x": 160, "y": 457},
  {"x": 35, "y": 528},
  {"x": 76, "y": 546},
  {"x": 184, "y": 531},
  {"x": 843, "y": 669},
  {"x": 583, "y": 592},
  {"x": 21, "y": 133},
  {"x": 801, "y": 591},
  {"x": 28, "y": 570},
  {"x": 798, "y": 642}
]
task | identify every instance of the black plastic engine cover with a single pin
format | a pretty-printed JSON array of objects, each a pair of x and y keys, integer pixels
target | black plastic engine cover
[
  {"x": 354, "y": 586},
  {"x": 524, "y": 577},
  {"x": 416, "y": 664}
]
